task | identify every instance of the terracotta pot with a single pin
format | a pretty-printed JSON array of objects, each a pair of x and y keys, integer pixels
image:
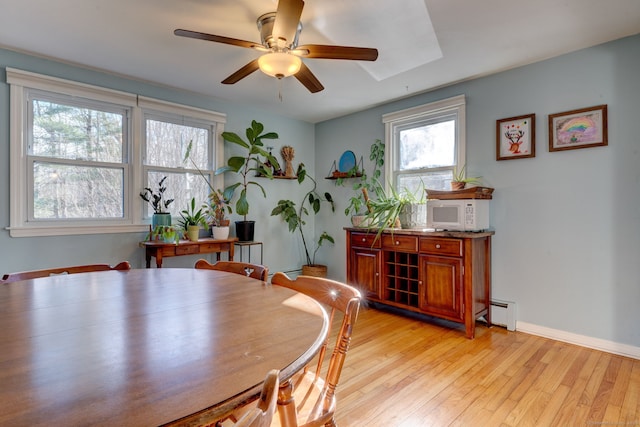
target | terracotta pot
[
  {"x": 456, "y": 185},
  {"x": 315, "y": 270}
]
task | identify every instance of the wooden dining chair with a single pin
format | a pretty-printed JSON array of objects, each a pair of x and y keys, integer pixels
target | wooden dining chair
[
  {"x": 314, "y": 401},
  {"x": 255, "y": 271},
  {"x": 34, "y": 274},
  {"x": 262, "y": 414}
]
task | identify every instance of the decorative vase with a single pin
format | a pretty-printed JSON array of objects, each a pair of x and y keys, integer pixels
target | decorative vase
[
  {"x": 220, "y": 232},
  {"x": 245, "y": 230},
  {"x": 193, "y": 232},
  {"x": 315, "y": 270},
  {"x": 163, "y": 218}
]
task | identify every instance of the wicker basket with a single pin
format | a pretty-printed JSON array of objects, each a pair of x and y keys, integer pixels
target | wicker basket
[{"x": 314, "y": 270}]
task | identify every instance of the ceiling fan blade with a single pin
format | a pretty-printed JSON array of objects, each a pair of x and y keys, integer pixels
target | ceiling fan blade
[
  {"x": 287, "y": 18},
  {"x": 306, "y": 77},
  {"x": 217, "y": 39},
  {"x": 336, "y": 52},
  {"x": 242, "y": 73}
]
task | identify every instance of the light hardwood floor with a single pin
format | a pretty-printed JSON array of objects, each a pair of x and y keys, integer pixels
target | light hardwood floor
[{"x": 404, "y": 372}]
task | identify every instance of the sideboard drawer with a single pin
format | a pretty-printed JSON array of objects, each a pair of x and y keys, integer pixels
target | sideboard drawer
[
  {"x": 397, "y": 242},
  {"x": 450, "y": 247},
  {"x": 365, "y": 240}
]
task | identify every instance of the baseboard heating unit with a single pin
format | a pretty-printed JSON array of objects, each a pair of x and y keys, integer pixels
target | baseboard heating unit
[{"x": 504, "y": 313}]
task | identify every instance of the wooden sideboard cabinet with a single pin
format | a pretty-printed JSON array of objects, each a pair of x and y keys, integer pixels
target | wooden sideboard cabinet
[{"x": 441, "y": 274}]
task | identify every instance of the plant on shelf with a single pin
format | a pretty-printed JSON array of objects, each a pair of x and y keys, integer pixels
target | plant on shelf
[
  {"x": 295, "y": 217},
  {"x": 249, "y": 164},
  {"x": 191, "y": 220},
  {"x": 365, "y": 185},
  {"x": 458, "y": 182},
  {"x": 158, "y": 203}
]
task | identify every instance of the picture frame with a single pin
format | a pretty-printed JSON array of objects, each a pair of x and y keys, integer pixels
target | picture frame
[
  {"x": 516, "y": 137},
  {"x": 582, "y": 128}
]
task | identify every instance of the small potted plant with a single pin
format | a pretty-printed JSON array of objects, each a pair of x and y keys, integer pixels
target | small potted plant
[
  {"x": 217, "y": 210},
  {"x": 191, "y": 221},
  {"x": 459, "y": 182},
  {"x": 158, "y": 203},
  {"x": 295, "y": 218}
]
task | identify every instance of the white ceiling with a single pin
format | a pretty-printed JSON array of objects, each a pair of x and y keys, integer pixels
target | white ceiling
[{"x": 420, "y": 47}]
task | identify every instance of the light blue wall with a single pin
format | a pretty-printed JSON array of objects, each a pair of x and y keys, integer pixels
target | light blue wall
[
  {"x": 567, "y": 242},
  {"x": 40, "y": 252}
]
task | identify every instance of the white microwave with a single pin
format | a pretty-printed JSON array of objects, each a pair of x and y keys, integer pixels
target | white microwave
[{"x": 458, "y": 215}]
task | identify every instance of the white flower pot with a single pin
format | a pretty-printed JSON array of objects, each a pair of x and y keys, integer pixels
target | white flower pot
[{"x": 220, "y": 233}]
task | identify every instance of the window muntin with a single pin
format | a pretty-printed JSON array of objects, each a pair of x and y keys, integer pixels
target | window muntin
[{"x": 425, "y": 145}]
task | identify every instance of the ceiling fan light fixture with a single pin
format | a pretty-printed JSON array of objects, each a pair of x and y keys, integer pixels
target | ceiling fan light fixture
[{"x": 279, "y": 64}]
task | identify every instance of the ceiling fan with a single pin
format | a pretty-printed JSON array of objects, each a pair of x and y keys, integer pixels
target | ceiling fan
[{"x": 279, "y": 32}]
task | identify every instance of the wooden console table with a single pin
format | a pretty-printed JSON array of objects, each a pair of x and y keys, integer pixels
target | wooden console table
[{"x": 206, "y": 245}]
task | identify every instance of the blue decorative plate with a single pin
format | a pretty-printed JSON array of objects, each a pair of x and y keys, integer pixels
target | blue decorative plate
[{"x": 347, "y": 161}]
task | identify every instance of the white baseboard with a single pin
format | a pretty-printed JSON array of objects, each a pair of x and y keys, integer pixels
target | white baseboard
[{"x": 581, "y": 340}]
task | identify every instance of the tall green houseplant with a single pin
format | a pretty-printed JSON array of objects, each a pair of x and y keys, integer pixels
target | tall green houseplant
[
  {"x": 295, "y": 216},
  {"x": 248, "y": 165}
]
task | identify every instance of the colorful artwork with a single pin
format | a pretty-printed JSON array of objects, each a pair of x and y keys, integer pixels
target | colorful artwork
[
  {"x": 515, "y": 137},
  {"x": 578, "y": 128}
]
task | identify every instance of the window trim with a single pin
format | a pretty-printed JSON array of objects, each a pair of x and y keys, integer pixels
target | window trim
[
  {"x": 392, "y": 120},
  {"x": 20, "y": 82}
]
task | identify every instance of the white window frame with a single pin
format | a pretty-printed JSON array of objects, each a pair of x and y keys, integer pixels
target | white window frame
[
  {"x": 433, "y": 110},
  {"x": 19, "y": 189}
]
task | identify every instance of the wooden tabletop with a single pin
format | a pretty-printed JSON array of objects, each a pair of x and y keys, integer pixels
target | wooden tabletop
[{"x": 146, "y": 347}]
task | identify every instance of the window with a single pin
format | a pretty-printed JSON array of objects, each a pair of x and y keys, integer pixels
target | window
[
  {"x": 167, "y": 138},
  {"x": 426, "y": 144},
  {"x": 80, "y": 155},
  {"x": 76, "y": 158}
]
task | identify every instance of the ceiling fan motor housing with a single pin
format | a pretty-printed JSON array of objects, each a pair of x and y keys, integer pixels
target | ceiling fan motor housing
[{"x": 265, "y": 26}]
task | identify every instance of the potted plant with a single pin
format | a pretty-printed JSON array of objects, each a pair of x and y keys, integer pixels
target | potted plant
[
  {"x": 249, "y": 164},
  {"x": 158, "y": 203},
  {"x": 191, "y": 221},
  {"x": 396, "y": 209},
  {"x": 459, "y": 182},
  {"x": 365, "y": 185},
  {"x": 217, "y": 210},
  {"x": 218, "y": 205},
  {"x": 295, "y": 218}
]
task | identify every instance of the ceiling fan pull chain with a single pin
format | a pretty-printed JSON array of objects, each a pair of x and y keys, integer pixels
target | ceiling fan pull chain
[{"x": 280, "y": 89}]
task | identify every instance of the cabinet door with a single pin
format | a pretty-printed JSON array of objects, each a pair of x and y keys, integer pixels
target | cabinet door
[
  {"x": 365, "y": 271},
  {"x": 441, "y": 286}
]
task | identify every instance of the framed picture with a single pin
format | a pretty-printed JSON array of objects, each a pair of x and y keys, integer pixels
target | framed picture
[
  {"x": 582, "y": 128},
  {"x": 516, "y": 137}
]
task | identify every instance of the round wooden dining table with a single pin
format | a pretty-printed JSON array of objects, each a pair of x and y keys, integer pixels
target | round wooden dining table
[{"x": 146, "y": 347}]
